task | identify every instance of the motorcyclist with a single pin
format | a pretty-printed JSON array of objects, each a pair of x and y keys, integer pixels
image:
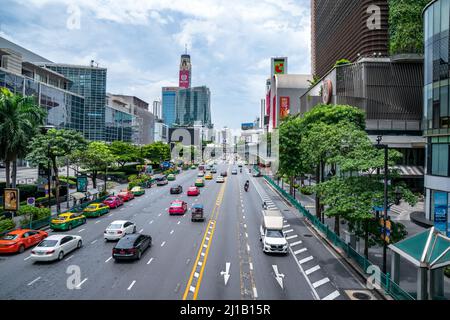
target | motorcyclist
[
  {"x": 264, "y": 205},
  {"x": 247, "y": 184}
]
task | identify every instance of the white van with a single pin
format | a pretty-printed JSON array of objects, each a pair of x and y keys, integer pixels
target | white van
[{"x": 272, "y": 236}]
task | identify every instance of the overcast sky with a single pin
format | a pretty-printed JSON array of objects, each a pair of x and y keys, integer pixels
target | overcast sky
[{"x": 140, "y": 42}]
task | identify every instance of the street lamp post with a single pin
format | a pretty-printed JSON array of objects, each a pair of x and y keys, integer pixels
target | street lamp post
[{"x": 49, "y": 178}]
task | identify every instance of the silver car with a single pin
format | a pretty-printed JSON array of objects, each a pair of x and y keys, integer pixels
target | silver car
[
  {"x": 55, "y": 247},
  {"x": 119, "y": 228}
]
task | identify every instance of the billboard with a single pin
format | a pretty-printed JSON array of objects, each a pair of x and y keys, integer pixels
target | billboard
[
  {"x": 279, "y": 66},
  {"x": 247, "y": 126},
  {"x": 11, "y": 199},
  {"x": 285, "y": 106},
  {"x": 185, "y": 81},
  {"x": 441, "y": 211},
  {"x": 82, "y": 183}
]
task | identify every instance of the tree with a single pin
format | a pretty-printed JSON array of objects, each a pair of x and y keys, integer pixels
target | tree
[
  {"x": 54, "y": 145},
  {"x": 124, "y": 152},
  {"x": 156, "y": 152},
  {"x": 315, "y": 80},
  {"x": 342, "y": 62},
  {"x": 20, "y": 118},
  {"x": 97, "y": 157}
]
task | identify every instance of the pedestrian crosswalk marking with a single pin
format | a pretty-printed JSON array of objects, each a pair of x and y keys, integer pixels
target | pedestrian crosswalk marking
[
  {"x": 320, "y": 282},
  {"x": 332, "y": 295},
  {"x": 306, "y": 260}
]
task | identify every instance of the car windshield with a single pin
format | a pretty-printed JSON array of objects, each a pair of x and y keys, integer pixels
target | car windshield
[
  {"x": 92, "y": 207},
  {"x": 177, "y": 204},
  {"x": 125, "y": 243},
  {"x": 109, "y": 199},
  {"x": 48, "y": 243},
  {"x": 274, "y": 234},
  {"x": 9, "y": 237},
  {"x": 61, "y": 218},
  {"x": 115, "y": 226}
]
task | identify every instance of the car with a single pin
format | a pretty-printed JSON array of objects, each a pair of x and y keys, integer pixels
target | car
[
  {"x": 176, "y": 190},
  {"x": 126, "y": 195},
  {"x": 208, "y": 176},
  {"x": 67, "y": 221},
  {"x": 95, "y": 210},
  {"x": 201, "y": 174},
  {"x": 213, "y": 170},
  {"x": 113, "y": 202},
  {"x": 224, "y": 174},
  {"x": 119, "y": 228},
  {"x": 17, "y": 241},
  {"x": 171, "y": 177},
  {"x": 131, "y": 247},
  {"x": 240, "y": 165},
  {"x": 234, "y": 172},
  {"x": 55, "y": 247},
  {"x": 199, "y": 183},
  {"x": 137, "y": 191},
  {"x": 220, "y": 179},
  {"x": 197, "y": 213},
  {"x": 178, "y": 207},
  {"x": 161, "y": 181},
  {"x": 193, "y": 191},
  {"x": 193, "y": 167}
]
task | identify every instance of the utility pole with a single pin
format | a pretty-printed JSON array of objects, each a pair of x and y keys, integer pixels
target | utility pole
[{"x": 385, "y": 218}]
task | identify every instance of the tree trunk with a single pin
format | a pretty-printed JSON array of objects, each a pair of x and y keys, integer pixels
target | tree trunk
[
  {"x": 55, "y": 169},
  {"x": 14, "y": 173},
  {"x": 94, "y": 179},
  {"x": 322, "y": 179},
  {"x": 366, "y": 239},
  {"x": 8, "y": 173},
  {"x": 337, "y": 229}
]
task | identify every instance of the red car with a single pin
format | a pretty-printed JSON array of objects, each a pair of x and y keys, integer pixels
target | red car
[
  {"x": 193, "y": 191},
  {"x": 126, "y": 195},
  {"x": 178, "y": 207},
  {"x": 19, "y": 240},
  {"x": 113, "y": 202}
]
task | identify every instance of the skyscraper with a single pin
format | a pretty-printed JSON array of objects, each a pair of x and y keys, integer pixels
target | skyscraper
[
  {"x": 193, "y": 105},
  {"x": 185, "y": 71},
  {"x": 169, "y": 103}
]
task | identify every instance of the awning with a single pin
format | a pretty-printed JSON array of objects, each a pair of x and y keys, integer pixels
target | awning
[
  {"x": 93, "y": 191},
  {"x": 78, "y": 195},
  {"x": 410, "y": 171}
]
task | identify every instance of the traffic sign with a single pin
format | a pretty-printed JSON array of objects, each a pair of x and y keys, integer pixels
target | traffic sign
[{"x": 31, "y": 201}]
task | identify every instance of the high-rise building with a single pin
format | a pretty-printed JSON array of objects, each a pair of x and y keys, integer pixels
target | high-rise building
[
  {"x": 169, "y": 104},
  {"x": 89, "y": 82},
  {"x": 185, "y": 71},
  {"x": 193, "y": 105},
  {"x": 347, "y": 29},
  {"x": 157, "y": 109},
  {"x": 118, "y": 121}
]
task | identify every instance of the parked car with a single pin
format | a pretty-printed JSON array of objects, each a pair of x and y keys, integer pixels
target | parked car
[
  {"x": 257, "y": 174},
  {"x": 193, "y": 191},
  {"x": 113, "y": 202},
  {"x": 17, "y": 241},
  {"x": 119, "y": 228},
  {"x": 96, "y": 210},
  {"x": 137, "y": 191},
  {"x": 126, "y": 195},
  {"x": 131, "y": 246},
  {"x": 178, "y": 207},
  {"x": 67, "y": 221},
  {"x": 176, "y": 190},
  {"x": 213, "y": 170},
  {"x": 55, "y": 247}
]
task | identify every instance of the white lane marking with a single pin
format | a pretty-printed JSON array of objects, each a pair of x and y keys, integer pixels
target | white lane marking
[
  {"x": 192, "y": 289},
  {"x": 140, "y": 231},
  {"x": 131, "y": 285},
  {"x": 306, "y": 260},
  {"x": 245, "y": 226},
  {"x": 106, "y": 261},
  {"x": 27, "y": 258},
  {"x": 255, "y": 293},
  {"x": 171, "y": 232},
  {"x": 68, "y": 258},
  {"x": 111, "y": 215},
  {"x": 79, "y": 285},
  {"x": 93, "y": 241},
  {"x": 159, "y": 215},
  {"x": 289, "y": 231},
  {"x": 332, "y": 295},
  {"x": 251, "y": 266},
  {"x": 292, "y": 237},
  {"x": 196, "y": 274},
  {"x": 313, "y": 269},
  {"x": 122, "y": 209},
  {"x": 300, "y": 251},
  {"x": 150, "y": 222},
  {"x": 295, "y": 243},
  {"x": 205, "y": 245},
  {"x": 246, "y": 235},
  {"x": 178, "y": 222},
  {"x": 167, "y": 209},
  {"x": 81, "y": 230},
  {"x": 162, "y": 244},
  {"x": 150, "y": 261},
  {"x": 202, "y": 254},
  {"x": 37, "y": 279},
  {"x": 97, "y": 221},
  {"x": 248, "y": 248},
  {"x": 200, "y": 263},
  {"x": 320, "y": 282},
  {"x": 286, "y": 226}
]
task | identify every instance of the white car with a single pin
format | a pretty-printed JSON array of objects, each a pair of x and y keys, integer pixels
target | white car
[
  {"x": 55, "y": 247},
  {"x": 117, "y": 229},
  {"x": 220, "y": 179},
  {"x": 200, "y": 174}
]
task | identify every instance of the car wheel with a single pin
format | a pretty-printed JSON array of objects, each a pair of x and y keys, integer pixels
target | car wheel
[
  {"x": 83, "y": 221},
  {"x": 21, "y": 248},
  {"x": 134, "y": 229},
  {"x": 60, "y": 256},
  {"x": 139, "y": 255},
  {"x": 80, "y": 244}
]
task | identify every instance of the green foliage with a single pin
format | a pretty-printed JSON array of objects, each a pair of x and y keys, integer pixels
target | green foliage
[
  {"x": 406, "y": 26},
  {"x": 6, "y": 224},
  {"x": 156, "y": 152},
  {"x": 307, "y": 190},
  {"x": 34, "y": 212},
  {"x": 315, "y": 80},
  {"x": 342, "y": 62},
  {"x": 124, "y": 152},
  {"x": 139, "y": 180},
  {"x": 333, "y": 114}
]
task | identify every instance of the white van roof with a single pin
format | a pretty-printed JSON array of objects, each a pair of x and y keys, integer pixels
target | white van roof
[{"x": 272, "y": 213}]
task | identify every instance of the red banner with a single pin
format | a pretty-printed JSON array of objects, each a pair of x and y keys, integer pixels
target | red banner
[
  {"x": 184, "y": 79},
  {"x": 285, "y": 106}
]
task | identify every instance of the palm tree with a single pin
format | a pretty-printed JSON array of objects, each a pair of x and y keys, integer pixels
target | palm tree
[{"x": 20, "y": 119}]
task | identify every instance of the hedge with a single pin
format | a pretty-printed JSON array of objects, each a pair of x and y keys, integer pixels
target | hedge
[
  {"x": 6, "y": 224},
  {"x": 37, "y": 214}
]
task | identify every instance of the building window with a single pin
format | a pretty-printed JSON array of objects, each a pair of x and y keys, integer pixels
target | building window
[{"x": 440, "y": 159}]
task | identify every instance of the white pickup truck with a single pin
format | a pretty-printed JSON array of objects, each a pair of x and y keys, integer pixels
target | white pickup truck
[{"x": 272, "y": 236}]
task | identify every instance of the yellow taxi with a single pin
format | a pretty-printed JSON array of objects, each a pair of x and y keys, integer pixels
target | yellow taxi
[
  {"x": 96, "y": 210},
  {"x": 199, "y": 183},
  {"x": 208, "y": 176},
  {"x": 67, "y": 221}
]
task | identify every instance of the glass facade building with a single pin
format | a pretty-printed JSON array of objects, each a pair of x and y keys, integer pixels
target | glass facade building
[
  {"x": 193, "y": 105},
  {"x": 169, "y": 104},
  {"x": 65, "y": 109},
  {"x": 118, "y": 125},
  {"x": 89, "y": 82},
  {"x": 437, "y": 113}
]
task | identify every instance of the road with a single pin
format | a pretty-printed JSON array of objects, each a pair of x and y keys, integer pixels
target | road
[{"x": 219, "y": 259}]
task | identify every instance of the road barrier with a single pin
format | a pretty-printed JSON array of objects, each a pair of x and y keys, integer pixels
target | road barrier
[{"x": 389, "y": 286}]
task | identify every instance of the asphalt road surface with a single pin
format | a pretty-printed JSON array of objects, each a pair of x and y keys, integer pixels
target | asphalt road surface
[{"x": 220, "y": 258}]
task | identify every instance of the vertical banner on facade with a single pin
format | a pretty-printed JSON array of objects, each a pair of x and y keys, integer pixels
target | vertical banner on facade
[
  {"x": 279, "y": 66},
  {"x": 184, "y": 79},
  {"x": 441, "y": 211},
  {"x": 82, "y": 183},
  {"x": 285, "y": 106},
  {"x": 11, "y": 199}
]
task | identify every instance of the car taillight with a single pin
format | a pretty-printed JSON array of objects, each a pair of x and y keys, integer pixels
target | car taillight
[
  {"x": 50, "y": 252},
  {"x": 33, "y": 252},
  {"x": 119, "y": 232},
  {"x": 132, "y": 250}
]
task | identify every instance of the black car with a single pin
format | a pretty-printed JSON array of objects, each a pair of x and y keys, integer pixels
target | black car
[
  {"x": 176, "y": 190},
  {"x": 131, "y": 246},
  {"x": 224, "y": 174},
  {"x": 213, "y": 170}
]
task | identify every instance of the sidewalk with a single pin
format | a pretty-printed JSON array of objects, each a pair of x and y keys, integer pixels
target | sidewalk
[{"x": 408, "y": 278}]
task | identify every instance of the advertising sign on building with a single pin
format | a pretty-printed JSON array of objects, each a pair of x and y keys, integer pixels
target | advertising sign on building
[
  {"x": 82, "y": 183},
  {"x": 285, "y": 106},
  {"x": 441, "y": 211},
  {"x": 279, "y": 66},
  {"x": 184, "y": 79},
  {"x": 11, "y": 199},
  {"x": 247, "y": 126}
]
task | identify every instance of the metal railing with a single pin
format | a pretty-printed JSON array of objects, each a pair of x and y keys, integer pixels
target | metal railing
[{"x": 389, "y": 286}]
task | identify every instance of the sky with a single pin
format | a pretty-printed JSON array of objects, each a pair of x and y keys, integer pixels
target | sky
[{"x": 140, "y": 42}]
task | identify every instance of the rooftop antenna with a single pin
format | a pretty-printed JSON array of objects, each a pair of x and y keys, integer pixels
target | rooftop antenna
[{"x": 185, "y": 48}]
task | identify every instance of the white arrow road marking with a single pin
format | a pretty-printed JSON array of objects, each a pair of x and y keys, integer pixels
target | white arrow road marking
[
  {"x": 226, "y": 273},
  {"x": 278, "y": 276},
  {"x": 81, "y": 230}
]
